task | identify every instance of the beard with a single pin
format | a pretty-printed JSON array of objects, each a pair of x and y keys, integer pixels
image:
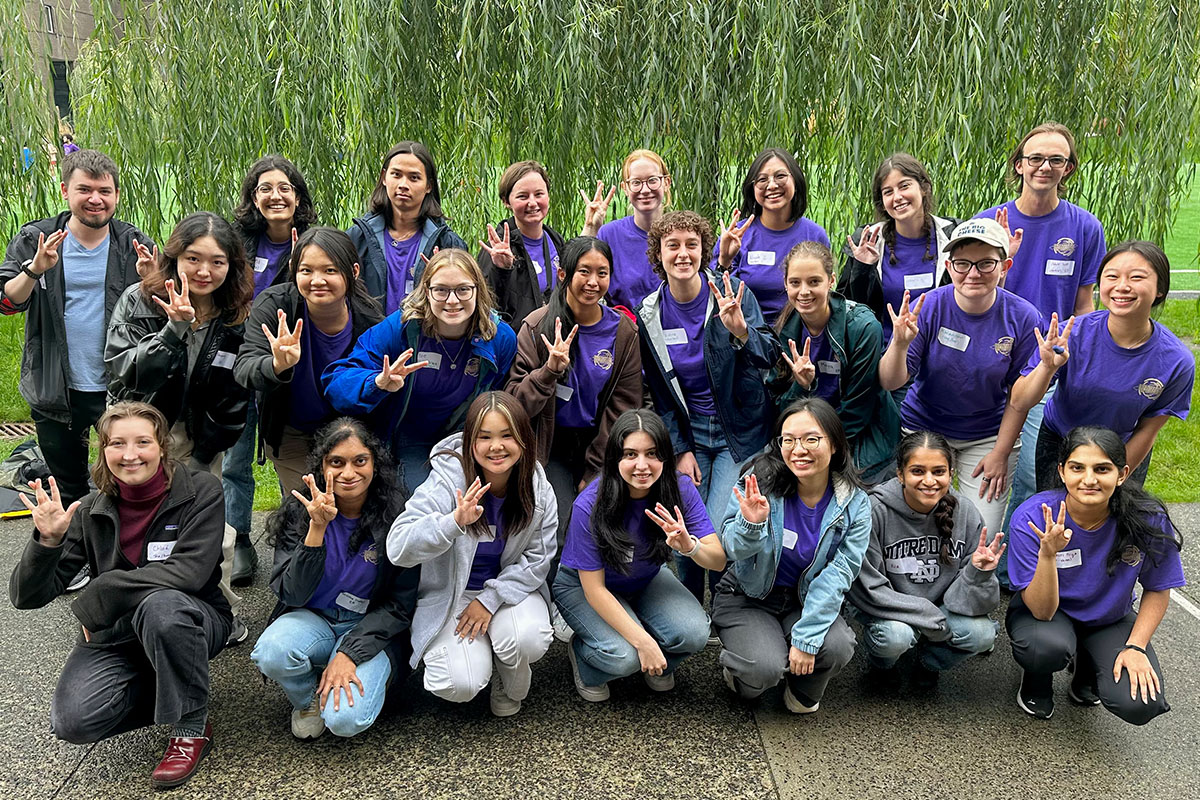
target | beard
[{"x": 96, "y": 221}]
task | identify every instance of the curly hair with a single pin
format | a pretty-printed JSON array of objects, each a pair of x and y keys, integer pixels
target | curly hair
[
  {"x": 250, "y": 219},
  {"x": 677, "y": 221}
]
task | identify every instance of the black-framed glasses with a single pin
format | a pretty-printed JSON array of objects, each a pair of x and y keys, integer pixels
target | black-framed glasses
[
  {"x": 265, "y": 189},
  {"x": 651, "y": 183},
  {"x": 442, "y": 293},
  {"x": 810, "y": 442},
  {"x": 1037, "y": 159},
  {"x": 984, "y": 265},
  {"x": 780, "y": 179}
]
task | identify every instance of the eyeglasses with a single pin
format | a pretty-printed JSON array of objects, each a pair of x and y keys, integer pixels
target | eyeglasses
[
  {"x": 984, "y": 265},
  {"x": 1037, "y": 159},
  {"x": 780, "y": 179},
  {"x": 265, "y": 189},
  {"x": 810, "y": 442},
  {"x": 651, "y": 183},
  {"x": 442, "y": 293}
]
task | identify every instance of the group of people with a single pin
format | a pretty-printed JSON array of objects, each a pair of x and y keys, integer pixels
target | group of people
[{"x": 479, "y": 454}]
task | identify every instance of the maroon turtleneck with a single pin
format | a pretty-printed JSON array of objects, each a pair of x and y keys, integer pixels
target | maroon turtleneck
[{"x": 136, "y": 508}]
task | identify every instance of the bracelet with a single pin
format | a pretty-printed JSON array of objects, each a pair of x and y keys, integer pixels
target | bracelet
[
  {"x": 33, "y": 276},
  {"x": 1135, "y": 647},
  {"x": 694, "y": 550}
]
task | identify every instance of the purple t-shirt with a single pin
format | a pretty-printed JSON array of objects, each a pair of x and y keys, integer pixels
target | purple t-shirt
[
  {"x": 632, "y": 275},
  {"x": 318, "y": 350},
  {"x": 1086, "y": 592},
  {"x": 1060, "y": 252},
  {"x": 268, "y": 259},
  {"x": 1105, "y": 384},
  {"x": 536, "y": 248},
  {"x": 683, "y": 331},
  {"x": 964, "y": 364},
  {"x": 441, "y": 387},
  {"x": 911, "y": 273},
  {"x": 349, "y": 579},
  {"x": 829, "y": 367},
  {"x": 801, "y": 532},
  {"x": 591, "y": 368},
  {"x": 486, "y": 564},
  {"x": 401, "y": 258},
  {"x": 760, "y": 261},
  {"x": 581, "y": 552}
]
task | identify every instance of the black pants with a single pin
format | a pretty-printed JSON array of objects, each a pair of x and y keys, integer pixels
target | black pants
[
  {"x": 1046, "y": 461},
  {"x": 158, "y": 677},
  {"x": 1046, "y": 646},
  {"x": 65, "y": 445}
]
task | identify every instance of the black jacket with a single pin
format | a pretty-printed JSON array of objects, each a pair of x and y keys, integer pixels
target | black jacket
[
  {"x": 192, "y": 517},
  {"x": 147, "y": 360},
  {"x": 516, "y": 289},
  {"x": 253, "y": 366},
  {"x": 368, "y": 234},
  {"x": 44, "y": 362}
]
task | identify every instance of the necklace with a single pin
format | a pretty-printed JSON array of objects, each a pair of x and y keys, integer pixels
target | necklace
[{"x": 453, "y": 360}]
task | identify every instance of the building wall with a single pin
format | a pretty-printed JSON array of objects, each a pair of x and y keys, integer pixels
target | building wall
[{"x": 60, "y": 35}]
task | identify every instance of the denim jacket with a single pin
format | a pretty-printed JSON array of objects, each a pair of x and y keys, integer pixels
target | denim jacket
[{"x": 755, "y": 549}]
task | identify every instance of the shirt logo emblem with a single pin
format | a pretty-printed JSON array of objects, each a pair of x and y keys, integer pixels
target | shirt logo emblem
[
  {"x": 1151, "y": 388},
  {"x": 472, "y": 367},
  {"x": 603, "y": 359},
  {"x": 371, "y": 555},
  {"x": 1064, "y": 246},
  {"x": 1004, "y": 345},
  {"x": 1131, "y": 556}
]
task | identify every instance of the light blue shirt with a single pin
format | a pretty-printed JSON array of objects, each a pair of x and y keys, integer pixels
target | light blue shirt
[{"x": 84, "y": 274}]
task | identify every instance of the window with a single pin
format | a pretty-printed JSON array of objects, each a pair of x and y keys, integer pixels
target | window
[
  {"x": 59, "y": 70},
  {"x": 49, "y": 9}
]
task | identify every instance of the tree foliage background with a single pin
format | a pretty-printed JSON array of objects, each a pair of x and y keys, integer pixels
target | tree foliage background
[{"x": 184, "y": 94}]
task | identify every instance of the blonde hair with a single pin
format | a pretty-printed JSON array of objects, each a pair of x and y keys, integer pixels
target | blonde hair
[
  {"x": 649, "y": 155},
  {"x": 417, "y": 305},
  {"x": 102, "y": 476}
]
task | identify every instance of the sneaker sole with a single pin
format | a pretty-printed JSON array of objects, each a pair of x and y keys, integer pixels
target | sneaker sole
[
  {"x": 590, "y": 693},
  {"x": 1027, "y": 710},
  {"x": 1079, "y": 701},
  {"x": 504, "y": 710},
  {"x": 795, "y": 706}
]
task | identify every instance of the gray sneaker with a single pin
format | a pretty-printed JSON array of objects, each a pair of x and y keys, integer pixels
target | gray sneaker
[
  {"x": 593, "y": 694},
  {"x": 81, "y": 579},
  {"x": 237, "y": 634}
]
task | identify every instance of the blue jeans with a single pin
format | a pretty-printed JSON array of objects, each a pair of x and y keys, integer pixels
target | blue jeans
[
  {"x": 1024, "y": 479},
  {"x": 666, "y": 610},
  {"x": 412, "y": 463},
  {"x": 237, "y": 476},
  {"x": 887, "y": 639},
  {"x": 718, "y": 474},
  {"x": 294, "y": 650}
]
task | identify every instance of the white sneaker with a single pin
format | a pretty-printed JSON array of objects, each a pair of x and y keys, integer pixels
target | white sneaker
[
  {"x": 593, "y": 694},
  {"x": 502, "y": 704},
  {"x": 660, "y": 683},
  {"x": 794, "y": 705},
  {"x": 562, "y": 631},
  {"x": 307, "y": 722}
]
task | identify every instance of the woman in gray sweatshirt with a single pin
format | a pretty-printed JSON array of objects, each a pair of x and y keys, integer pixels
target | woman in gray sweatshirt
[{"x": 928, "y": 579}]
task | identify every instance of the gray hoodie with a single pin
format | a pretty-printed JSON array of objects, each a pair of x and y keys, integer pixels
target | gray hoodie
[
  {"x": 901, "y": 577},
  {"x": 427, "y": 534}
]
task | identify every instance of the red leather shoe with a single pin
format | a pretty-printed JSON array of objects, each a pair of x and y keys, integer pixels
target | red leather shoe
[{"x": 181, "y": 760}]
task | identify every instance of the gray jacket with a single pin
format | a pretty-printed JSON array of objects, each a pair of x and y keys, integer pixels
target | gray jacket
[
  {"x": 901, "y": 577},
  {"x": 427, "y": 534}
]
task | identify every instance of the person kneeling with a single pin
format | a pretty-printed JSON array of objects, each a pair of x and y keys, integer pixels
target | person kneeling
[{"x": 153, "y": 615}]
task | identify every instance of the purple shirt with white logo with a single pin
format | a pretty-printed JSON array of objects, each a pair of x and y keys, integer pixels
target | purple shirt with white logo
[
  {"x": 349, "y": 579},
  {"x": 683, "y": 330},
  {"x": 318, "y": 350},
  {"x": 911, "y": 273},
  {"x": 590, "y": 370},
  {"x": 1086, "y": 592},
  {"x": 760, "y": 261},
  {"x": 537, "y": 248},
  {"x": 964, "y": 364},
  {"x": 486, "y": 564},
  {"x": 440, "y": 387},
  {"x": 268, "y": 259},
  {"x": 401, "y": 258},
  {"x": 801, "y": 533},
  {"x": 632, "y": 275},
  {"x": 1060, "y": 252},
  {"x": 1105, "y": 384},
  {"x": 581, "y": 552}
]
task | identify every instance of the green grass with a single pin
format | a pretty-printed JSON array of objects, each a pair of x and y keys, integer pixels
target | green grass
[{"x": 1183, "y": 242}]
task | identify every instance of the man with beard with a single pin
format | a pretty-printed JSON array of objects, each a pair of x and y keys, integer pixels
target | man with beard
[{"x": 66, "y": 273}]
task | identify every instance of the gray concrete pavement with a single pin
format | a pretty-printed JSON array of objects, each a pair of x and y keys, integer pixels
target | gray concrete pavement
[{"x": 967, "y": 739}]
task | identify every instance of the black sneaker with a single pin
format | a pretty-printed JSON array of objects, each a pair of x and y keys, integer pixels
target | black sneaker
[
  {"x": 1083, "y": 691},
  {"x": 922, "y": 678},
  {"x": 81, "y": 579},
  {"x": 237, "y": 634},
  {"x": 1036, "y": 695}
]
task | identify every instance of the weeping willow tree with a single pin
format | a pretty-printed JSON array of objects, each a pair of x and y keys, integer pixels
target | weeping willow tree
[{"x": 186, "y": 93}]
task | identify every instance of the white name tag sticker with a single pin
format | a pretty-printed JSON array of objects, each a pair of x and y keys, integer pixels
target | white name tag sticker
[
  {"x": 490, "y": 536},
  {"x": 674, "y": 336},
  {"x": 537, "y": 267},
  {"x": 953, "y": 339},
  {"x": 224, "y": 360},
  {"x": 1055, "y": 266},
  {"x": 159, "y": 551},
  {"x": 1065, "y": 559},
  {"x": 902, "y": 566},
  {"x": 260, "y": 264},
  {"x": 789, "y": 539},
  {"x": 434, "y": 359},
  {"x": 922, "y": 281},
  {"x": 761, "y": 258},
  {"x": 408, "y": 286},
  {"x": 352, "y": 602},
  {"x": 564, "y": 393},
  {"x": 830, "y": 367}
]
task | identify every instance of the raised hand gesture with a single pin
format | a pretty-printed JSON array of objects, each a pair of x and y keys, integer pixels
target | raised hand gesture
[
  {"x": 904, "y": 324},
  {"x": 178, "y": 305},
  {"x": 678, "y": 538},
  {"x": 285, "y": 344},
  {"x": 1014, "y": 237},
  {"x": 499, "y": 249},
  {"x": 468, "y": 509},
  {"x": 752, "y": 505},
  {"x": 730, "y": 243},
  {"x": 867, "y": 249},
  {"x": 987, "y": 556},
  {"x": 1053, "y": 348},
  {"x": 47, "y": 251},
  {"x": 729, "y": 306},
  {"x": 391, "y": 377},
  {"x": 425, "y": 258},
  {"x": 803, "y": 369},
  {"x": 558, "y": 359},
  {"x": 322, "y": 508},
  {"x": 147, "y": 259},
  {"x": 49, "y": 516},
  {"x": 596, "y": 210},
  {"x": 1055, "y": 536}
]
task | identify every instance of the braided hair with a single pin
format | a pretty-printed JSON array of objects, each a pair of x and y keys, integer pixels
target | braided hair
[{"x": 912, "y": 168}]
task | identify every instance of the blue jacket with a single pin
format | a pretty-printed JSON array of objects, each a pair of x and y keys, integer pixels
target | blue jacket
[
  {"x": 370, "y": 236},
  {"x": 755, "y": 548},
  {"x": 350, "y": 382},
  {"x": 736, "y": 374}
]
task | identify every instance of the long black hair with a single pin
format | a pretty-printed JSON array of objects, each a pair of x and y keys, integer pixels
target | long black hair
[
  {"x": 1131, "y": 506},
  {"x": 612, "y": 495},
  {"x": 557, "y": 306},
  {"x": 431, "y": 206},
  {"x": 774, "y": 477},
  {"x": 943, "y": 512},
  {"x": 340, "y": 249},
  {"x": 384, "y": 501}
]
